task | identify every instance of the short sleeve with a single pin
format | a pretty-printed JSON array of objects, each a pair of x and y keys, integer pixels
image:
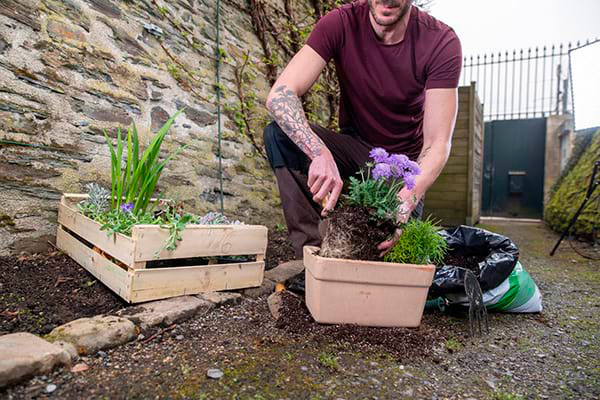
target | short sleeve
[
  {"x": 445, "y": 64},
  {"x": 327, "y": 36}
]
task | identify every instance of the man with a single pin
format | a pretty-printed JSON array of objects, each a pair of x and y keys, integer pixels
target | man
[{"x": 398, "y": 70}]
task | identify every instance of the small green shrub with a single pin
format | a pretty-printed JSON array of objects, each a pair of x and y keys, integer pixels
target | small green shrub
[{"x": 419, "y": 244}]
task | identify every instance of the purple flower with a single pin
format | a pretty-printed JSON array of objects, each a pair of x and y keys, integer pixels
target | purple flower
[
  {"x": 379, "y": 155},
  {"x": 413, "y": 168},
  {"x": 410, "y": 181},
  {"x": 127, "y": 207},
  {"x": 382, "y": 170}
]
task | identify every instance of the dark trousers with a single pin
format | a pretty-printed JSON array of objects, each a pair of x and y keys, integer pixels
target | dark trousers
[{"x": 290, "y": 165}]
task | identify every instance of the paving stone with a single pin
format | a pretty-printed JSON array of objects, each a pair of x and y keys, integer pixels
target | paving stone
[
  {"x": 221, "y": 298},
  {"x": 23, "y": 355},
  {"x": 166, "y": 312},
  {"x": 267, "y": 287},
  {"x": 285, "y": 271},
  {"x": 275, "y": 301},
  {"x": 89, "y": 335}
]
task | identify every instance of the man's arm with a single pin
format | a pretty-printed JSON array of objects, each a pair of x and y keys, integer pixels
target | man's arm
[
  {"x": 284, "y": 105},
  {"x": 441, "y": 106}
]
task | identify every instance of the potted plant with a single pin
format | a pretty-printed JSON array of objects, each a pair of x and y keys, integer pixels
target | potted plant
[
  {"x": 346, "y": 280},
  {"x": 120, "y": 236}
]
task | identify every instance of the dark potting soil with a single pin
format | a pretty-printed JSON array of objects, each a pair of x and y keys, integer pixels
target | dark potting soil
[
  {"x": 470, "y": 262},
  {"x": 401, "y": 343},
  {"x": 40, "y": 292},
  {"x": 279, "y": 249},
  {"x": 353, "y": 234}
]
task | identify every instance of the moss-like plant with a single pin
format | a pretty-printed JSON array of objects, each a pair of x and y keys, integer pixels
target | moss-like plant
[{"x": 419, "y": 244}]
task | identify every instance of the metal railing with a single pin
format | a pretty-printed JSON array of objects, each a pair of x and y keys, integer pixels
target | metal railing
[{"x": 525, "y": 84}]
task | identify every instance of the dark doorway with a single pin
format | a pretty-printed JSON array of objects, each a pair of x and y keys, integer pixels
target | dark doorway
[{"x": 513, "y": 168}]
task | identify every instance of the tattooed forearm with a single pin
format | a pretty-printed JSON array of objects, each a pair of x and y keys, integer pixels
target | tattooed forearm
[{"x": 286, "y": 109}]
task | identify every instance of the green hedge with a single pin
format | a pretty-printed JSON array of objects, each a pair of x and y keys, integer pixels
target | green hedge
[{"x": 570, "y": 192}]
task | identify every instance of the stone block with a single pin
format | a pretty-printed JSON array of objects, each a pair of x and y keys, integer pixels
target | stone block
[
  {"x": 285, "y": 271},
  {"x": 221, "y": 298},
  {"x": 24, "y": 355},
  {"x": 166, "y": 312},
  {"x": 268, "y": 286},
  {"x": 89, "y": 335}
]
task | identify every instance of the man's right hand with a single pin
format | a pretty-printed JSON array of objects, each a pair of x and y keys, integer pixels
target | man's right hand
[{"x": 324, "y": 179}]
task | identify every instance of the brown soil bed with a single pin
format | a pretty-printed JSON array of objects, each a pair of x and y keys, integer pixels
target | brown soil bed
[{"x": 41, "y": 292}]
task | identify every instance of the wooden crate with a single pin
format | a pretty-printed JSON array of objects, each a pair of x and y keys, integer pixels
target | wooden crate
[{"x": 120, "y": 262}]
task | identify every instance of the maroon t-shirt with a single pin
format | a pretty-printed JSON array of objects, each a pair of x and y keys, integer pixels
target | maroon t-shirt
[{"x": 382, "y": 87}]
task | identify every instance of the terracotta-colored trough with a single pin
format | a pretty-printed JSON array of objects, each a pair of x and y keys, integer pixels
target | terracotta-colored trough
[{"x": 370, "y": 293}]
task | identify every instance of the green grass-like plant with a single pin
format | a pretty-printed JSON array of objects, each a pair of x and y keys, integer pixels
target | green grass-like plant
[
  {"x": 419, "y": 244},
  {"x": 136, "y": 182}
]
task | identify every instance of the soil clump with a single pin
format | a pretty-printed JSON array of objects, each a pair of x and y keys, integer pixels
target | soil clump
[{"x": 353, "y": 233}]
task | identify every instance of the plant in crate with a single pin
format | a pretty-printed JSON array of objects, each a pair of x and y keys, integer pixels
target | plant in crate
[{"x": 367, "y": 214}]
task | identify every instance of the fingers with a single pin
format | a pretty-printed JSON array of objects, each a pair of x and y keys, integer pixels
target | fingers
[
  {"x": 387, "y": 245},
  {"x": 333, "y": 198}
]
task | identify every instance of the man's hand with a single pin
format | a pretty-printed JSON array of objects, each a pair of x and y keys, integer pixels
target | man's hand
[
  {"x": 324, "y": 179},
  {"x": 407, "y": 197}
]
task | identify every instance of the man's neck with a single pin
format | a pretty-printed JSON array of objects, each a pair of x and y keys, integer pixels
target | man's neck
[{"x": 394, "y": 33}]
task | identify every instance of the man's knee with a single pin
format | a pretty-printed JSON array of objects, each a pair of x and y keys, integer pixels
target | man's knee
[{"x": 271, "y": 134}]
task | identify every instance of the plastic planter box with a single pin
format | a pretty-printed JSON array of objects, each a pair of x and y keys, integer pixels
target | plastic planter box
[{"x": 370, "y": 293}]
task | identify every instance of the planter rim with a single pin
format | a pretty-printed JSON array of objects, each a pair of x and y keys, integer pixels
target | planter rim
[{"x": 312, "y": 252}]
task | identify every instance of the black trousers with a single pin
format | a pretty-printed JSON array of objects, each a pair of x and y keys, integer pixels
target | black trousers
[{"x": 290, "y": 164}]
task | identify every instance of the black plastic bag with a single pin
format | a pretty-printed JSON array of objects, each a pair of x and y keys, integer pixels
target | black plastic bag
[{"x": 501, "y": 256}]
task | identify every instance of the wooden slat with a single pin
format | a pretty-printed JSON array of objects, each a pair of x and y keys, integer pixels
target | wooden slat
[
  {"x": 152, "y": 284},
  {"x": 200, "y": 241},
  {"x": 454, "y": 170},
  {"x": 118, "y": 246},
  {"x": 110, "y": 274},
  {"x": 442, "y": 195}
]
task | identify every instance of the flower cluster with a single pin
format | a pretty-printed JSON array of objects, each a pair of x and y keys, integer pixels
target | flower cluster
[
  {"x": 396, "y": 166},
  {"x": 377, "y": 189},
  {"x": 127, "y": 207}
]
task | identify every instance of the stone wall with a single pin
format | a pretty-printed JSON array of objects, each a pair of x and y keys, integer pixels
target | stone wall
[{"x": 71, "y": 68}]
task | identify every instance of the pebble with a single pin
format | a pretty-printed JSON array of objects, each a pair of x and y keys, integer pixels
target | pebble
[
  {"x": 408, "y": 392},
  {"x": 179, "y": 337},
  {"x": 102, "y": 353},
  {"x": 214, "y": 373},
  {"x": 141, "y": 336},
  {"x": 303, "y": 368},
  {"x": 50, "y": 388}
]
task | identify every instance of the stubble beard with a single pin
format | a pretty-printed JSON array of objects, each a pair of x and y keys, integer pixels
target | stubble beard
[{"x": 390, "y": 3}]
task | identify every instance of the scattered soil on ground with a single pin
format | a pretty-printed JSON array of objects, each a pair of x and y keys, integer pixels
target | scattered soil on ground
[
  {"x": 400, "y": 343},
  {"x": 352, "y": 233},
  {"x": 40, "y": 292}
]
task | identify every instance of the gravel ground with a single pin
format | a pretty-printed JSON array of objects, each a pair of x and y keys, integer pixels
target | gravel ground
[{"x": 550, "y": 355}]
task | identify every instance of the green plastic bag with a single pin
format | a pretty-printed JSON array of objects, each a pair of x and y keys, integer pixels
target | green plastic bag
[{"x": 518, "y": 294}]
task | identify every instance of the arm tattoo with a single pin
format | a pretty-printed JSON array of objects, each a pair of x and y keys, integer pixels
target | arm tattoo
[
  {"x": 423, "y": 154},
  {"x": 286, "y": 109}
]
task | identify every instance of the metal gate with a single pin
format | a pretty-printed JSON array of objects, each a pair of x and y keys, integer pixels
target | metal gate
[{"x": 513, "y": 168}]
